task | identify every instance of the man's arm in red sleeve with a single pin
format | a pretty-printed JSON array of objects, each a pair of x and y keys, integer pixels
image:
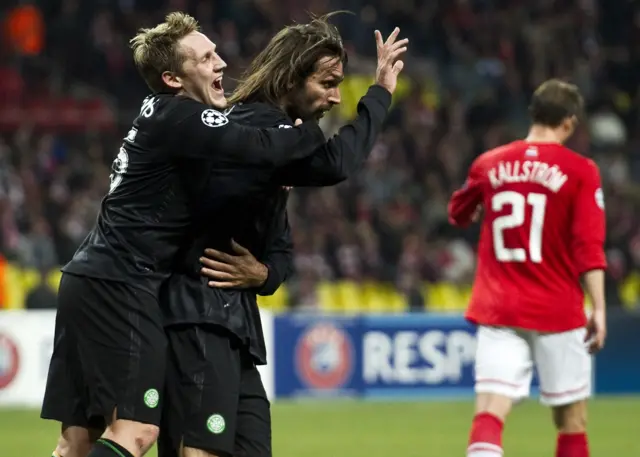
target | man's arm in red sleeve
[
  {"x": 589, "y": 225},
  {"x": 464, "y": 202}
]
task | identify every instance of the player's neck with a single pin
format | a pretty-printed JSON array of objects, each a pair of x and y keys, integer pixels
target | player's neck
[
  {"x": 185, "y": 93},
  {"x": 286, "y": 107},
  {"x": 542, "y": 134}
]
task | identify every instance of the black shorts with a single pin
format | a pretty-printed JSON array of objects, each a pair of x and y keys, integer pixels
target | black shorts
[
  {"x": 110, "y": 351},
  {"x": 215, "y": 400}
]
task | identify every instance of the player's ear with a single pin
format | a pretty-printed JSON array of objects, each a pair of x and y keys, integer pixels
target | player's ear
[
  {"x": 575, "y": 121},
  {"x": 569, "y": 125},
  {"x": 172, "y": 80}
]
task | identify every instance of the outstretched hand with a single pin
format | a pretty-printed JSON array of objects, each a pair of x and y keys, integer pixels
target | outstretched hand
[{"x": 389, "y": 67}]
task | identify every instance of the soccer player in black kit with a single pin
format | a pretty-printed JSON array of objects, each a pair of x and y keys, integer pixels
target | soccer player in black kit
[
  {"x": 107, "y": 373},
  {"x": 215, "y": 404}
]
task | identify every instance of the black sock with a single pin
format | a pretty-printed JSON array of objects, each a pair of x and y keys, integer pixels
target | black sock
[{"x": 108, "y": 448}]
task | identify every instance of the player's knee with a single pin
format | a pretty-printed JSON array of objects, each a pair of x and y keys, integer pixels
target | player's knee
[
  {"x": 136, "y": 437},
  {"x": 494, "y": 404},
  {"x": 147, "y": 436},
  {"x": 64, "y": 447},
  {"x": 571, "y": 418},
  {"x": 75, "y": 441}
]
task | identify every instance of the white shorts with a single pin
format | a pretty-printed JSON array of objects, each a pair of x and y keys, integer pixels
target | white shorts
[{"x": 505, "y": 359}]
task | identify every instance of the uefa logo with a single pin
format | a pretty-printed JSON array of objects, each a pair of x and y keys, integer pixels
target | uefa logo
[
  {"x": 324, "y": 357},
  {"x": 9, "y": 361}
]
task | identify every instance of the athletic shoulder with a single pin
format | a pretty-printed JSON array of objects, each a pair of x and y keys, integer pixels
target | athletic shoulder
[
  {"x": 574, "y": 162},
  {"x": 259, "y": 114},
  {"x": 581, "y": 161},
  {"x": 176, "y": 109},
  {"x": 492, "y": 156}
]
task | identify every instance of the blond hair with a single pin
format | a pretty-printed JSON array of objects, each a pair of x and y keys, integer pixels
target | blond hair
[
  {"x": 156, "y": 51},
  {"x": 289, "y": 58}
]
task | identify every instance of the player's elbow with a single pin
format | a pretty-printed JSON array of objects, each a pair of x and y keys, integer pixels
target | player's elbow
[
  {"x": 338, "y": 177},
  {"x": 459, "y": 222},
  {"x": 457, "y": 217},
  {"x": 340, "y": 166},
  {"x": 328, "y": 178},
  {"x": 587, "y": 266},
  {"x": 334, "y": 175},
  {"x": 589, "y": 256}
]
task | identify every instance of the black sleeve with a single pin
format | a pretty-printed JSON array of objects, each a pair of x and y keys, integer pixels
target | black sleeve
[
  {"x": 279, "y": 260},
  {"x": 345, "y": 153},
  {"x": 204, "y": 133}
]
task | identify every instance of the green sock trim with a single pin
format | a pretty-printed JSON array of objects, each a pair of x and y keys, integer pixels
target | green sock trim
[{"x": 111, "y": 446}]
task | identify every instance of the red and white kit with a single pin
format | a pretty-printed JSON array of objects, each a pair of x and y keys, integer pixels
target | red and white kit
[{"x": 543, "y": 226}]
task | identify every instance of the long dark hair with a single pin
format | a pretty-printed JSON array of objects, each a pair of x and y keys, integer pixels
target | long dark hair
[{"x": 289, "y": 58}]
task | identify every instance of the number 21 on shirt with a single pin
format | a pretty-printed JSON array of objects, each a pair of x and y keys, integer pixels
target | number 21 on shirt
[{"x": 518, "y": 203}]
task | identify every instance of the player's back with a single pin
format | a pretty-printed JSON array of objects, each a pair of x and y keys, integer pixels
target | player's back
[
  {"x": 534, "y": 241},
  {"x": 143, "y": 217}
]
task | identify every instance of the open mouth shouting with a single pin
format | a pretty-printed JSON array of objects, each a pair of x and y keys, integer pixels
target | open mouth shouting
[{"x": 217, "y": 85}]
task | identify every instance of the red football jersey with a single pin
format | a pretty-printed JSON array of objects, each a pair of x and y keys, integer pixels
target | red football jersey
[{"x": 543, "y": 226}]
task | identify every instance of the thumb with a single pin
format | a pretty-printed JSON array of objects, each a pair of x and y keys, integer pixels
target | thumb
[
  {"x": 398, "y": 66},
  {"x": 297, "y": 122},
  {"x": 238, "y": 248}
]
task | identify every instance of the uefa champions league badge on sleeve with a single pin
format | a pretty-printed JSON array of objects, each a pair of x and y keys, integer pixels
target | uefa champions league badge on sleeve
[
  {"x": 213, "y": 118},
  {"x": 324, "y": 357}
]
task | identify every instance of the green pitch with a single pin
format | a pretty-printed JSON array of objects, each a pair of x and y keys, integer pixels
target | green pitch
[{"x": 354, "y": 429}]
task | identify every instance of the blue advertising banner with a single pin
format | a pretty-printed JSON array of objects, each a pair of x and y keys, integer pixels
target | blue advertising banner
[
  {"x": 414, "y": 355},
  {"x": 617, "y": 367},
  {"x": 417, "y": 355},
  {"x": 317, "y": 356}
]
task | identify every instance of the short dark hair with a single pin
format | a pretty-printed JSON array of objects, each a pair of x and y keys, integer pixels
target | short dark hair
[
  {"x": 288, "y": 60},
  {"x": 554, "y": 101}
]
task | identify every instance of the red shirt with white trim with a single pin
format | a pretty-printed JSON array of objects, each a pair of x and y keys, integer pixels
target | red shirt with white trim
[{"x": 543, "y": 226}]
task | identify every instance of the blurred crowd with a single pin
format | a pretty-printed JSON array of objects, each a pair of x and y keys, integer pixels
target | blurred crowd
[{"x": 472, "y": 67}]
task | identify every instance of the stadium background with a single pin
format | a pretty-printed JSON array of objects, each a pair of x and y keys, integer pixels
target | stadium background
[{"x": 375, "y": 251}]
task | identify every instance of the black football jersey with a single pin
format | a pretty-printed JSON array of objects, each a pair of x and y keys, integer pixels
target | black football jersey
[
  {"x": 255, "y": 216},
  {"x": 158, "y": 173}
]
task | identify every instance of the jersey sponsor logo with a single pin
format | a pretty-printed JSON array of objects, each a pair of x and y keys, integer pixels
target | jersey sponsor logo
[
  {"x": 324, "y": 357},
  {"x": 151, "y": 398},
  {"x": 148, "y": 106},
  {"x": 284, "y": 126},
  {"x": 216, "y": 424},
  {"x": 599, "y": 196},
  {"x": 9, "y": 361},
  {"x": 213, "y": 118}
]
